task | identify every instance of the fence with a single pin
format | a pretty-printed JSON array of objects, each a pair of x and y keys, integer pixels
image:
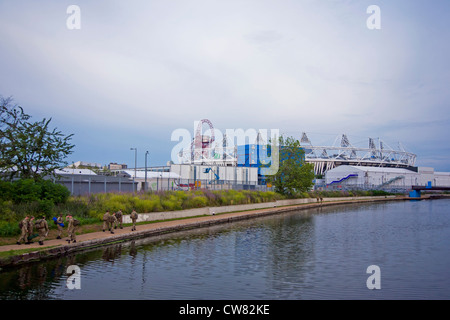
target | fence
[
  {"x": 88, "y": 184},
  {"x": 191, "y": 184},
  {"x": 363, "y": 187}
]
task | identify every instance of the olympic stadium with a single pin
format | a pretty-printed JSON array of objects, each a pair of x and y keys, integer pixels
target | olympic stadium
[{"x": 205, "y": 149}]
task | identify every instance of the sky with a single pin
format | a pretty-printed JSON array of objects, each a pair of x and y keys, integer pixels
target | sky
[{"x": 128, "y": 74}]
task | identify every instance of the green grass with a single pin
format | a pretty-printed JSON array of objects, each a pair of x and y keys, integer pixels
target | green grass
[
  {"x": 89, "y": 210},
  {"x": 11, "y": 253}
]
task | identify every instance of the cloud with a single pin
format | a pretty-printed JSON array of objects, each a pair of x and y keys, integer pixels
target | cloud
[{"x": 149, "y": 68}]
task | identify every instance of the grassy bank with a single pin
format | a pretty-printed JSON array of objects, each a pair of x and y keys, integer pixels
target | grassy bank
[{"x": 90, "y": 209}]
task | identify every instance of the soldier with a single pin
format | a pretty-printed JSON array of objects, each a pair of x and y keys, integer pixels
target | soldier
[
  {"x": 119, "y": 216},
  {"x": 59, "y": 224},
  {"x": 30, "y": 230},
  {"x": 106, "y": 220},
  {"x": 24, "y": 228},
  {"x": 71, "y": 229},
  {"x": 133, "y": 217},
  {"x": 113, "y": 222},
  {"x": 42, "y": 227}
]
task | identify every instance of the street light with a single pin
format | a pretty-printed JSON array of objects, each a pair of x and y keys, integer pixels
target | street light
[
  {"x": 146, "y": 153},
  {"x": 135, "y": 165}
]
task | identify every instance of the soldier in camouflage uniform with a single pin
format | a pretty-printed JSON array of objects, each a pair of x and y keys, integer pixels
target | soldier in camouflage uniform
[
  {"x": 113, "y": 221},
  {"x": 24, "y": 230},
  {"x": 59, "y": 223},
  {"x": 106, "y": 221},
  {"x": 71, "y": 229},
  {"x": 42, "y": 227},
  {"x": 133, "y": 217},
  {"x": 119, "y": 216},
  {"x": 30, "y": 230}
]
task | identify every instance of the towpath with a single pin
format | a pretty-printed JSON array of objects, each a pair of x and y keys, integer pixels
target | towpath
[{"x": 61, "y": 246}]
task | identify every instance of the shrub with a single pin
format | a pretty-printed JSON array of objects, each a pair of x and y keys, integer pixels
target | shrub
[{"x": 8, "y": 229}]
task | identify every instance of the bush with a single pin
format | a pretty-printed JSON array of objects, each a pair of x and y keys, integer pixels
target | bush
[
  {"x": 28, "y": 190},
  {"x": 8, "y": 229},
  {"x": 25, "y": 197}
]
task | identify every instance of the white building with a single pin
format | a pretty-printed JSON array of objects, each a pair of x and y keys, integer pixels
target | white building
[
  {"x": 382, "y": 177},
  {"x": 156, "y": 180},
  {"x": 208, "y": 173},
  {"x": 86, "y": 164},
  {"x": 74, "y": 171}
]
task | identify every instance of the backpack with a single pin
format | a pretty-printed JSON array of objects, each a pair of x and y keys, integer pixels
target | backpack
[
  {"x": 133, "y": 215},
  {"x": 20, "y": 224},
  {"x": 76, "y": 222},
  {"x": 39, "y": 224}
]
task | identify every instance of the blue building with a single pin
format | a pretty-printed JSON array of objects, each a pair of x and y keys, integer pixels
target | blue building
[{"x": 260, "y": 156}]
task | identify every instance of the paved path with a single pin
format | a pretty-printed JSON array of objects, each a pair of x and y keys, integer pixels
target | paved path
[
  {"x": 164, "y": 225},
  {"x": 174, "y": 225}
]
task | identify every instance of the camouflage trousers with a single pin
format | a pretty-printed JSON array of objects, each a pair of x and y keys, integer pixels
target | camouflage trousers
[{"x": 71, "y": 234}]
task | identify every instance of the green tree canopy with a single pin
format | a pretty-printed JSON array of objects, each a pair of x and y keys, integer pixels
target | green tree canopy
[
  {"x": 294, "y": 174},
  {"x": 29, "y": 149}
]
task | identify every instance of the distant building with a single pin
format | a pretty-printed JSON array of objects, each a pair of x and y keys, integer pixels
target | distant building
[
  {"x": 117, "y": 166},
  {"x": 85, "y": 164}
]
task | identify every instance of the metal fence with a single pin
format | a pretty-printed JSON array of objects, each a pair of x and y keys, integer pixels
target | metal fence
[
  {"x": 191, "y": 184},
  {"x": 361, "y": 187},
  {"x": 80, "y": 185}
]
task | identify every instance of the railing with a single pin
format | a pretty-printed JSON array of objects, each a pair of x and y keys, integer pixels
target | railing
[{"x": 345, "y": 178}]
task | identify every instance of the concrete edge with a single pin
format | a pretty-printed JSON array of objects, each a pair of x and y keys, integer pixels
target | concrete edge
[{"x": 184, "y": 225}]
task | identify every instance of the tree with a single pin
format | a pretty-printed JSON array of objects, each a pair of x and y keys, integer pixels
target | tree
[
  {"x": 29, "y": 150},
  {"x": 294, "y": 174}
]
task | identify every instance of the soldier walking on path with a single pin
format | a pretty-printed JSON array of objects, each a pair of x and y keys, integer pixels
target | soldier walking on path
[
  {"x": 42, "y": 227},
  {"x": 59, "y": 224},
  {"x": 71, "y": 229},
  {"x": 30, "y": 230},
  {"x": 24, "y": 229},
  {"x": 133, "y": 217},
  {"x": 119, "y": 216},
  {"x": 113, "y": 221},
  {"x": 106, "y": 221}
]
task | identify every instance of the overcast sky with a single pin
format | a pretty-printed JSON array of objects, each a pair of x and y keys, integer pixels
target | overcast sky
[{"x": 138, "y": 70}]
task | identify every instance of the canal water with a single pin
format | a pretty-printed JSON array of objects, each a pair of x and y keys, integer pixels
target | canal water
[{"x": 314, "y": 254}]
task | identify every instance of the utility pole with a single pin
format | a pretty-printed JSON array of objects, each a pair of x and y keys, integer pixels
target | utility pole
[
  {"x": 146, "y": 153},
  {"x": 135, "y": 165}
]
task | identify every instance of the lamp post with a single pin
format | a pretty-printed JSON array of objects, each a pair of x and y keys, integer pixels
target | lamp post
[
  {"x": 135, "y": 165},
  {"x": 146, "y": 153}
]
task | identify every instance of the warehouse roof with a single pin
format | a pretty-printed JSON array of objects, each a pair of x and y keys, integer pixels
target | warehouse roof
[{"x": 151, "y": 174}]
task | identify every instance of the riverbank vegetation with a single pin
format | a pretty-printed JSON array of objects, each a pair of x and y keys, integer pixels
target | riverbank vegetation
[{"x": 28, "y": 197}]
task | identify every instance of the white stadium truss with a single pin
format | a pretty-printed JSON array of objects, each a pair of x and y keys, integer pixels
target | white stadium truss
[
  {"x": 325, "y": 158},
  {"x": 206, "y": 150}
]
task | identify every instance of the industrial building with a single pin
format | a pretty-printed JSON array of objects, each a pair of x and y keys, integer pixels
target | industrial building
[
  {"x": 216, "y": 165},
  {"x": 187, "y": 176}
]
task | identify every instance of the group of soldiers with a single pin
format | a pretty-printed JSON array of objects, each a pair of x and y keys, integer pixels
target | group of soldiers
[
  {"x": 114, "y": 220},
  {"x": 72, "y": 224},
  {"x": 28, "y": 226}
]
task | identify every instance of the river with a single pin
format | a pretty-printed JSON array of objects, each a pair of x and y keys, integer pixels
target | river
[{"x": 319, "y": 253}]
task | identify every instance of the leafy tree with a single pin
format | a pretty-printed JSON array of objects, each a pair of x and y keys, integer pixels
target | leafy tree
[
  {"x": 30, "y": 150},
  {"x": 294, "y": 174}
]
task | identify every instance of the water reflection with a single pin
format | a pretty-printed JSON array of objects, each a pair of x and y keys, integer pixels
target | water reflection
[{"x": 319, "y": 253}]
